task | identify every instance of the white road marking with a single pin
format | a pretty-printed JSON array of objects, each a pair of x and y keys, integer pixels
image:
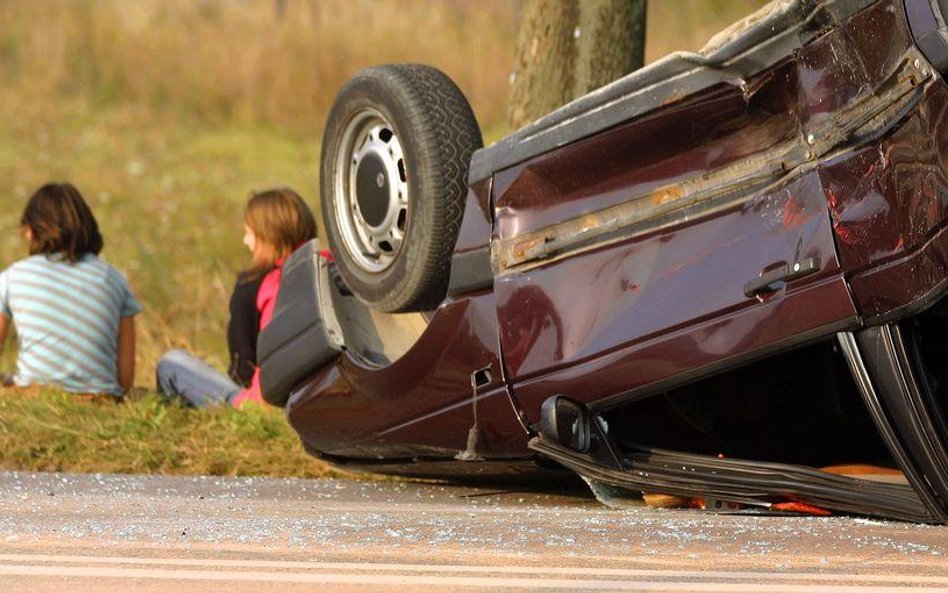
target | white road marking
[
  {"x": 215, "y": 569},
  {"x": 443, "y": 581}
]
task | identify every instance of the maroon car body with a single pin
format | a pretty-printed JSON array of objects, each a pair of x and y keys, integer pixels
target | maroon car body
[{"x": 779, "y": 199}]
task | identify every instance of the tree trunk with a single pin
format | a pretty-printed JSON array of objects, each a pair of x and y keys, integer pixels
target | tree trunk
[
  {"x": 567, "y": 48},
  {"x": 542, "y": 79}
]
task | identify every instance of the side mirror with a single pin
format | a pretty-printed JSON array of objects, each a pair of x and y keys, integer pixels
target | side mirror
[{"x": 566, "y": 422}]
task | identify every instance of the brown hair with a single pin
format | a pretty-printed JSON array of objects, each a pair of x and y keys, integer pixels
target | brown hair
[
  {"x": 281, "y": 222},
  {"x": 60, "y": 221}
]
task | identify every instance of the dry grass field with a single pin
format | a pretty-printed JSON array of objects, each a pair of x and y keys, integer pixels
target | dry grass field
[{"x": 167, "y": 113}]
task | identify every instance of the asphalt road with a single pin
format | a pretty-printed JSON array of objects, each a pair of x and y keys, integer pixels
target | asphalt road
[{"x": 64, "y": 533}]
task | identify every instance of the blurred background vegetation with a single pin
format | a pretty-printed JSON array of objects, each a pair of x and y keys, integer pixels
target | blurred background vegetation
[{"x": 167, "y": 113}]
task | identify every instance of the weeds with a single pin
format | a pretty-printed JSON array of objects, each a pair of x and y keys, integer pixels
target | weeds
[{"x": 53, "y": 431}]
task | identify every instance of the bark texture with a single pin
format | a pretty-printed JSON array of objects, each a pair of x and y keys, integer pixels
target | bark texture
[{"x": 567, "y": 48}]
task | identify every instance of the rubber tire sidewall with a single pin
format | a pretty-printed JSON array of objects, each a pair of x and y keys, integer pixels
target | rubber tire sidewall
[{"x": 403, "y": 286}]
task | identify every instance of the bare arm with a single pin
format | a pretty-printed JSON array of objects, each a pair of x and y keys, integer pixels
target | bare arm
[
  {"x": 126, "y": 353},
  {"x": 4, "y": 330}
]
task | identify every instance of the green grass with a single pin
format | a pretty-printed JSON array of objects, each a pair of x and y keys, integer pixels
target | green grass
[{"x": 53, "y": 431}]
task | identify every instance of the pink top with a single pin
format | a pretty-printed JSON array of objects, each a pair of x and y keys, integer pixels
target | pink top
[{"x": 266, "y": 301}]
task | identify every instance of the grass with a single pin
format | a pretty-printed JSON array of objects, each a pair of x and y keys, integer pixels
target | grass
[
  {"x": 166, "y": 114},
  {"x": 48, "y": 430}
]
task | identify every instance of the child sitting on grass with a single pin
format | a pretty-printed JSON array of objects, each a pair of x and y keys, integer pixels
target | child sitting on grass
[
  {"x": 74, "y": 314},
  {"x": 276, "y": 222}
]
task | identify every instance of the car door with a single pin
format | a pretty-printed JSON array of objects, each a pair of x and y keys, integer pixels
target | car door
[{"x": 666, "y": 248}]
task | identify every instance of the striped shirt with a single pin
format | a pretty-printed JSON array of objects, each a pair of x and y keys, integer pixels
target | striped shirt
[{"x": 67, "y": 321}]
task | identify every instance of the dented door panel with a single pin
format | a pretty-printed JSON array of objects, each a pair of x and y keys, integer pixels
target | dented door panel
[
  {"x": 889, "y": 202},
  {"x": 648, "y": 162},
  {"x": 609, "y": 321}
]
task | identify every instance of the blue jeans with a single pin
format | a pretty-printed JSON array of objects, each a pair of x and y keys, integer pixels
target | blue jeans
[{"x": 180, "y": 373}]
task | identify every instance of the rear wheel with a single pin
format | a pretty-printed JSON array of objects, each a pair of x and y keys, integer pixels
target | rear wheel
[{"x": 396, "y": 152}]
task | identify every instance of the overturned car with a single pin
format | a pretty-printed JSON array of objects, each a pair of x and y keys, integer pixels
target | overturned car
[{"x": 720, "y": 278}]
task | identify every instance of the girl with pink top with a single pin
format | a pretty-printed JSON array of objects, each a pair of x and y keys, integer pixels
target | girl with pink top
[{"x": 276, "y": 222}]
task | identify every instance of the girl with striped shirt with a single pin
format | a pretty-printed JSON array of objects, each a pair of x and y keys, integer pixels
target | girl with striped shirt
[{"x": 74, "y": 313}]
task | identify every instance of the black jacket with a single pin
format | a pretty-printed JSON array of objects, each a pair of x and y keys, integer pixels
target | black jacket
[{"x": 242, "y": 330}]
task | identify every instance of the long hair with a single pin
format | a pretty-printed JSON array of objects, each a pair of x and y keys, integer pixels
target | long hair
[
  {"x": 281, "y": 221},
  {"x": 60, "y": 221}
]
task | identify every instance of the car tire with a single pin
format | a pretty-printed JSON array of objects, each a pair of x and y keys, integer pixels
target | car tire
[{"x": 393, "y": 179}]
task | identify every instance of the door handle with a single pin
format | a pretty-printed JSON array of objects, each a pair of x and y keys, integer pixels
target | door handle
[{"x": 786, "y": 273}]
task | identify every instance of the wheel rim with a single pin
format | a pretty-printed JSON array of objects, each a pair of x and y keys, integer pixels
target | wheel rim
[{"x": 371, "y": 191}]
